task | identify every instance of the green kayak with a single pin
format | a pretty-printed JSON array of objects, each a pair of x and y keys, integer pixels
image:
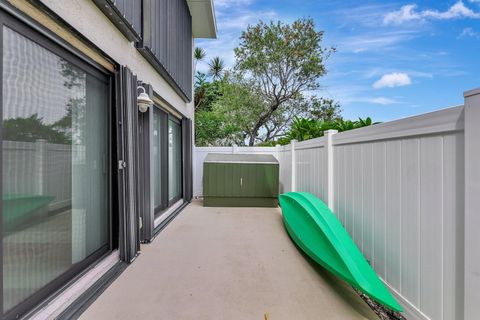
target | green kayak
[
  {"x": 21, "y": 208},
  {"x": 316, "y": 230}
]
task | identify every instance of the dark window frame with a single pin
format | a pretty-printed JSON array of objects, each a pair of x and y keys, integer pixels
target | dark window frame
[
  {"x": 165, "y": 202},
  {"x": 158, "y": 210},
  {"x": 180, "y": 195},
  {"x": 43, "y": 37}
]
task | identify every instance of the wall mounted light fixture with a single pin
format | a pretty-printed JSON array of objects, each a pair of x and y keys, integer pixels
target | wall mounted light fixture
[{"x": 143, "y": 100}]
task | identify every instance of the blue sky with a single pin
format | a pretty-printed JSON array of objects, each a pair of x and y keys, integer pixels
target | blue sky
[{"x": 393, "y": 59}]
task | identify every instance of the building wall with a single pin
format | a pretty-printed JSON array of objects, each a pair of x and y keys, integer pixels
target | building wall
[
  {"x": 68, "y": 228},
  {"x": 92, "y": 23}
]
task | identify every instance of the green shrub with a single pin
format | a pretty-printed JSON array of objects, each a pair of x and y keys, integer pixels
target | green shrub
[{"x": 304, "y": 129}]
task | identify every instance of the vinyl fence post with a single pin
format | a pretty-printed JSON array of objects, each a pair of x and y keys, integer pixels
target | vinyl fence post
[
  {"x": 277, "y": 152},
  {"x": 472, "y": 205},
  {"x": 234, "y": 149},
  {"x": 294, "y": 167},
  {"x": 41, "y": 165},
  {"x": 330, "y": 170}
]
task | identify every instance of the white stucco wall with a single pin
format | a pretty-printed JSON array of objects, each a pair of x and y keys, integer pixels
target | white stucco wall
[{"x": 86, "y": 18}]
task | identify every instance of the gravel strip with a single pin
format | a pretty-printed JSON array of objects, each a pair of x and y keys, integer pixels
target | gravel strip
[{"x": 382, "y": 312}]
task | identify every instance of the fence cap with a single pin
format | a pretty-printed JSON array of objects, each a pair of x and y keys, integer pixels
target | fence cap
[
  {"x": 472, "y": 92},
  {"x": 330, "y": 131}
]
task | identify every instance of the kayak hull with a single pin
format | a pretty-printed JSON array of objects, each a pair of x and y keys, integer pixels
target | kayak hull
[{"x": 317, "y": 231}]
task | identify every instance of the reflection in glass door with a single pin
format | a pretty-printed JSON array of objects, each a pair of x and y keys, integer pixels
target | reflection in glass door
[
  {"x": 174, "y": 160},
  {"x": 159, "y": 154},
  {"x": 54, "y": 166},
  {"x": 167, "y": 160}
]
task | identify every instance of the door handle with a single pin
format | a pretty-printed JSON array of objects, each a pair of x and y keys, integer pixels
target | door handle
[{"x": 241, "y": 182}]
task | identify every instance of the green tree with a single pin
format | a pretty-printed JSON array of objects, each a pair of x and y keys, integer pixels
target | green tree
[
  {"x": 206, "y": 92},
  {"x": 226, "y": 112},
  {"x": 240, "y": 104},
  {"x": 235, "y": 101},
  {"x": 283, "y": 60},
  {"x": 305, "y": 128},
  {"x": 212, "y": 129},
  {"x": 312, "y": 108},
  {"x": 32, "y": 128},
  {"x": 216, "y": 67},
  {"x": 324, "y": 109},
  {"x": 199, "y": 54}
]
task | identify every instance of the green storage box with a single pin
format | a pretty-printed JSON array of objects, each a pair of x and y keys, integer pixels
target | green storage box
[{"x": 240, "y": 180}]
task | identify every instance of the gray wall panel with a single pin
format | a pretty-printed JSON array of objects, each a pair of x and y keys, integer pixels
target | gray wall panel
[
  {"x": 126, "y": 15},
  {"x": 163, "y": 34},
  {"x": 167, "y": 41}
]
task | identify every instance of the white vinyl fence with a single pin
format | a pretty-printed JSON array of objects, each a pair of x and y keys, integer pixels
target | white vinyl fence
[
  {"x": 408, "y": 192},
  {"x": 38, "y": 168},
  {"x": 397, "y": 188}
]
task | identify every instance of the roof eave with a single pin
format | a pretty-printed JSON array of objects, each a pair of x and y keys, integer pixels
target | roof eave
[{"x": 203, "y": 19}]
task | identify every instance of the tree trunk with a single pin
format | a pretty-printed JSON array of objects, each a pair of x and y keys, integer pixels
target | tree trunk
[
  {"x": 261, "y": 121},
  {"x": 251, "y": 141}
]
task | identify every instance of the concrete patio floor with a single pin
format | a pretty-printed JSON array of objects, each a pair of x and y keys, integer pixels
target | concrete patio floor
[{"x": 226, "y": 263}]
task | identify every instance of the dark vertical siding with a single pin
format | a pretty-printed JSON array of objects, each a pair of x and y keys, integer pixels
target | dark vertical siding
[
  {"x": 127, "y": 154},
  {"x": 167, "y": 37},
  {"x": 125, "y": 14},
  {"x": 145, "y": 208},
  {"x": 163, "y": 34},
  {"x": 187, "y": 159},
  {"x": 132, "y": 12}
]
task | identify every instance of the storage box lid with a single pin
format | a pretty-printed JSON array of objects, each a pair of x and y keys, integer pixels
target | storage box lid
[{"x": 240, "y": 158}]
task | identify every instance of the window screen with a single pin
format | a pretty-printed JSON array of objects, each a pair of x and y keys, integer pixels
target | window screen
[
  {"x": 54, "y": 166},
  {"x": 174, "y": 160}
]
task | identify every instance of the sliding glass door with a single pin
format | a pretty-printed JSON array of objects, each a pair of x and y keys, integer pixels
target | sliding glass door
[
  {"x": 55, "y": 172},
  {"x": 167, "y": 160},
  {"x": 159, "y": 158},
  {"x": 174, "y": 160}
]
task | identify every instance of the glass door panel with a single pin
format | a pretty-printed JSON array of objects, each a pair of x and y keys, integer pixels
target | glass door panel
[
  {"x": 174, "y": 160},
  {"x": 158, "y": 133},
  {"x": 54, "y": 166}
]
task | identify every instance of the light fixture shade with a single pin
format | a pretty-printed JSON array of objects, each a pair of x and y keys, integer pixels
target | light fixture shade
[{"x": 143, "y": 101}]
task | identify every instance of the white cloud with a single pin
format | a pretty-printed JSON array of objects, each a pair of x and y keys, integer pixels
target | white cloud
[
  {"x": 409, "y": 13},
  {"x": 230, "y": 3},
  {"x": 355, "y": 95},
  {"x": 458, "y": 10},
  {"x": 406, "y": 13},
  {"x": 243, "y": 19},
  {"x": 469, "y": 32},
  {"x": 378, "y": 71},
  {"x": 383, "y": 101},
  {"x": 390, "y": 80},
  {"x": 365, "y": 14},
  {"x": 375, "y": 41}
]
